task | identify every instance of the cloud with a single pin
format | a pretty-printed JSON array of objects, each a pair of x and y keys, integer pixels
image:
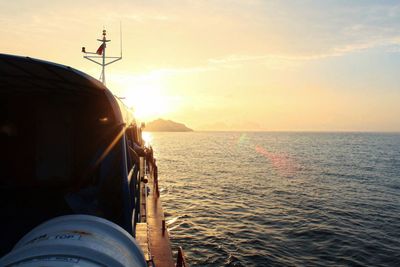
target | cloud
[
  {"x": 390, "y": 44},
  {"x": 144, "y": 16},
  {"x": 180, "y": 71},
  {"x": 294, "y": 32}
]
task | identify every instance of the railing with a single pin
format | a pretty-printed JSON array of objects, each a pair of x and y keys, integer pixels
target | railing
[{"x": 180, "y": 259}]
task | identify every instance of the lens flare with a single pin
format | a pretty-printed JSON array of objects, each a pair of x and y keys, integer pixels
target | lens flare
[{"x": 280, "y": 162}]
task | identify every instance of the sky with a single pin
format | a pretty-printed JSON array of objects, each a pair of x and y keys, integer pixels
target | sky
[{"x": 229, "y": 65}]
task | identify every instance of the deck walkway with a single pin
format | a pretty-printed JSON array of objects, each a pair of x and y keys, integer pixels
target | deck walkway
[
  {"x": 160, "y": 246},
  {"x": 150, "y": 235}
]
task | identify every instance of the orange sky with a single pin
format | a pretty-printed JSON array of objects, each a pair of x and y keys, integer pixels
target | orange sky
[{"x": 230, "y": 65}]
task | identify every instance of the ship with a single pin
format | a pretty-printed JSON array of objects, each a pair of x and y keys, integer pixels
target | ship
[{"x": 79, "y": 186}]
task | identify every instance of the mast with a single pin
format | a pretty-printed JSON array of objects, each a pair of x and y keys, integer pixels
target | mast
[{"x": 101, "y": 54}]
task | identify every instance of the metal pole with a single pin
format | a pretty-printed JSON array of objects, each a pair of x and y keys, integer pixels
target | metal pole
[
  {"x": 103, "y": 56},
  {"x": 103, "y": 74}
]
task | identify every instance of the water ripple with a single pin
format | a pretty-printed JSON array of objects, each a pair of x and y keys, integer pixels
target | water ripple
[{"x": 282, "y": 199}]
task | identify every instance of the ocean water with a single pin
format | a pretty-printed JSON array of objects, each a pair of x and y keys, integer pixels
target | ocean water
[{"x": 282, "y": 199}]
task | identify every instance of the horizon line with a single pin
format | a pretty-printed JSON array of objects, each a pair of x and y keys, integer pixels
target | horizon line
[{"x": 286, "y": 131}]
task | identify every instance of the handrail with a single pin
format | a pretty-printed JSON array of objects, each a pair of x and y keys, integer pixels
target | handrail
[{"x": 180, "y": 259}]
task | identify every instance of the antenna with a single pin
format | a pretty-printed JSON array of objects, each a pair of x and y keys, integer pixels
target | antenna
[
  {"x": 120, "y": 36},
  {"x": 101, "y": 54}
]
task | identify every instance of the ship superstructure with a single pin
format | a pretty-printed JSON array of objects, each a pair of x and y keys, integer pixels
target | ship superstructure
[{"x": 70, "y": 147}]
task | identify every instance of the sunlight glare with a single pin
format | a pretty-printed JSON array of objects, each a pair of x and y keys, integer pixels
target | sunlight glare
[
  {"x": 147, "y": 137},
  {"x": 145, "y": 94}
]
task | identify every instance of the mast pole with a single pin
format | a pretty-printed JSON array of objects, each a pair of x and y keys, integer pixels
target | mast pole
[
  {"x": 101, "y": 54},
  {"x": 103, "y": 71}
]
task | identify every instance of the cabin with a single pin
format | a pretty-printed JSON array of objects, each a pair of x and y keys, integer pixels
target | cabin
[{"x": 65, "y": 149}]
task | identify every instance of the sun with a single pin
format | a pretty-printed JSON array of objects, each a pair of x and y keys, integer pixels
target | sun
[
  {"x": 147, "y": 102},
  {"x": 145, "y": 95}
]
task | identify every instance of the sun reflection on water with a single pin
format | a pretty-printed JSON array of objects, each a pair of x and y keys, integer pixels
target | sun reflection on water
[{"x": 147, "y": 138}]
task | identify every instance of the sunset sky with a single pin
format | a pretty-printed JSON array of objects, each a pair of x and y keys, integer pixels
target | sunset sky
[{"x": 230, "y": 65}]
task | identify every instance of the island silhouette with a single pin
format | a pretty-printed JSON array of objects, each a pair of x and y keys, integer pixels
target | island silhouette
[{"x": 161, "y": 125}]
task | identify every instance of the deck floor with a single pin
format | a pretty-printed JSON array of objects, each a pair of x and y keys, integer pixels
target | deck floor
[{"x": 159, "y": 243}]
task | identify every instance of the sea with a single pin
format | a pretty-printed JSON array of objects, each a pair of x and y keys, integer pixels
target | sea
[{"x": 281, "y": 198}]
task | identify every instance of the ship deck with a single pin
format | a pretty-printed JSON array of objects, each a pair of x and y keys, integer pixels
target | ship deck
[{"x": 151, "y": 233}]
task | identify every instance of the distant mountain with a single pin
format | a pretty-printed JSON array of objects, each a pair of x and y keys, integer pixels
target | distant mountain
[{"x": 161, "y": 125}]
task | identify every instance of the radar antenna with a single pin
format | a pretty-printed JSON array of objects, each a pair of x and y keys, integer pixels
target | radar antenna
[{"x": 101, "y": 54}]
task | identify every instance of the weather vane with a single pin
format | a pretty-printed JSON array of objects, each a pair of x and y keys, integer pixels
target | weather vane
[{"x": 101, "y": 54}]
